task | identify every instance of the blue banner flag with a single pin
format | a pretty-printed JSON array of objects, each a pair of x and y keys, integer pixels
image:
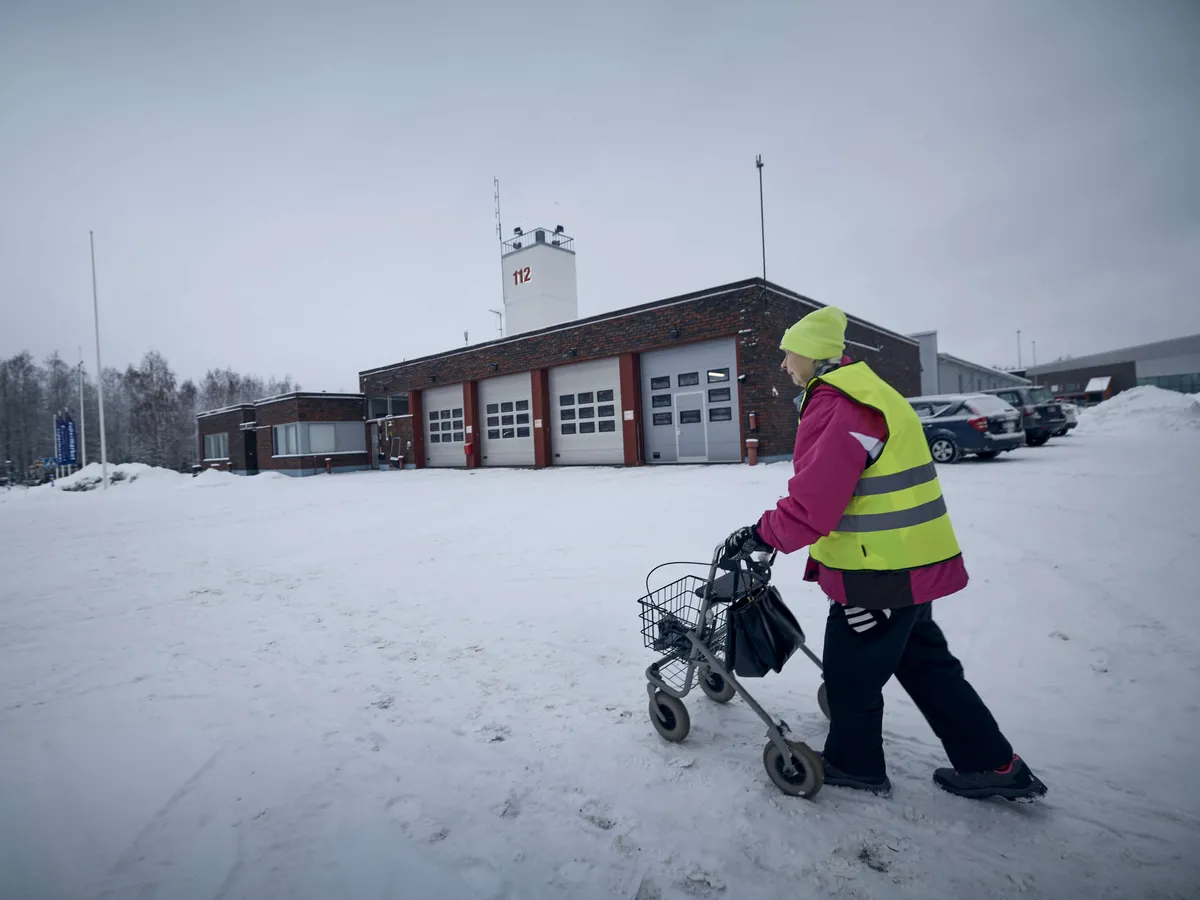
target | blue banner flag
[{"x": 66, "y": 445}]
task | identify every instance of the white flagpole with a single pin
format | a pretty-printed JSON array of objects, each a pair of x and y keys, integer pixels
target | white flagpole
[{"x": 99, "y": 370}]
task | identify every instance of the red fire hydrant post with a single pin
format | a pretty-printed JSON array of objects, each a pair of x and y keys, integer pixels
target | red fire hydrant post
[
  {"x": 328, "y": 466},
  {"x": 752, "y": 451}
]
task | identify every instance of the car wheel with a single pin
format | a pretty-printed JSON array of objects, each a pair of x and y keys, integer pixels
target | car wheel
[
  {"x": 943, "y": 450},
  {"x": 1037, "y": 441}
]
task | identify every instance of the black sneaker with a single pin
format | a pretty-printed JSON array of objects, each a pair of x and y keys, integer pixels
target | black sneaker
[
  {"x": 1014, "y": 781},
  {"x": 880, "y": 785}
]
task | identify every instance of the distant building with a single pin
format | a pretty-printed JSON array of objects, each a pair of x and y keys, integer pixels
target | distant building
[
  {"x": 1172, "y": 364},
  {"x": 942, "y": 373},
  {"x": 301, "y": 433}
]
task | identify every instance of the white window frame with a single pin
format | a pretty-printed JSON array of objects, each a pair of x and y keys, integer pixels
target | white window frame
[{"x": 223, "y": 437}]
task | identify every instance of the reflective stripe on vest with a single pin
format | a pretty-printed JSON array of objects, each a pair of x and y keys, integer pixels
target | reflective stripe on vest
[
  {"x": 900, "y": 518},
  {"x": 898, "y": 481},
  {"x": 897, "y": 517}
]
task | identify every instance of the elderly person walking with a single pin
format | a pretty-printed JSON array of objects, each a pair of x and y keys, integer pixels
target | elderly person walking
[{"x": 865, "y": 499}]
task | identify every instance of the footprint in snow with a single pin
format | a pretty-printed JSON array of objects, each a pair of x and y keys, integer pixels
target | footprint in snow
[
  {"x": 495, "y": 734},
  {"x": 406, "y": 812}
]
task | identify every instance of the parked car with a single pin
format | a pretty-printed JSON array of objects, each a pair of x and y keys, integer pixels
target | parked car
[
  {"x": 1071, "y": 411},
  {"x": 960, "y": 424},
  {"x": 1041, "y": 415}
]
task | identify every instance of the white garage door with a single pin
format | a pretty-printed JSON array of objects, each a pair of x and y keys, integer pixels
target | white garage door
[
  {"x": 507, "y": 426},
  {"x": 444, "y": 432},
  {"x": 585, "y": 414},
  {"x": 690, "y": 403}
]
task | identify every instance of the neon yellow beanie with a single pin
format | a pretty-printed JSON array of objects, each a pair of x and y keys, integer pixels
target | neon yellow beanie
[{"x": 819, "y": 335}]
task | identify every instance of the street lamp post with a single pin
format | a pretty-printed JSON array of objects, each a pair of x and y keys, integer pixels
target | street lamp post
[{"x": 99, "y": 370}]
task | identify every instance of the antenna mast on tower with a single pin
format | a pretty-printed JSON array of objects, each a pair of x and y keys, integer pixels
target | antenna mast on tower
[{"x": 499, "y": 230}]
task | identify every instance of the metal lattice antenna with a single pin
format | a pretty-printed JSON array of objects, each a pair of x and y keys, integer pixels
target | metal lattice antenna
[{"x": 499, "y": 230}]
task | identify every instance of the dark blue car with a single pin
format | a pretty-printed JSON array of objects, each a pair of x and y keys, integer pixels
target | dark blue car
[{"x": 960, "y": 424}]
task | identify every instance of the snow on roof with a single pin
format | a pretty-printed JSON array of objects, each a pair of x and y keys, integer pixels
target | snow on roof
[
  {"x": 979, "y": 368},
  {"x": 225, "y": 409},
  {"x": 308, "y": 395},
  {"x": 945, "y": 398}
]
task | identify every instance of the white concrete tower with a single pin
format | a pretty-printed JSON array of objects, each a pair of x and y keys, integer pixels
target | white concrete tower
[{"x": 538, "y": 272}]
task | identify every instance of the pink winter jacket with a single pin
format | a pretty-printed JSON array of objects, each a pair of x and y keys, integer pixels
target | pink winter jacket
[{"x": 830, "y": 455}]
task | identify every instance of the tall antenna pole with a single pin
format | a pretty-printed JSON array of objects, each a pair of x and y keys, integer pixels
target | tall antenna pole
[
  {"x": 99, "y": 369},
  {"x": 762, "y": 221},
  {"x": 1018, "y": 348},
  {"x": 499, "y": 230},
  {"x": 499, "y": 320}
]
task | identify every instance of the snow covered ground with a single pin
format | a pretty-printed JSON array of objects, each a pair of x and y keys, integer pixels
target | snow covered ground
[{"x": 430, "y": 684}]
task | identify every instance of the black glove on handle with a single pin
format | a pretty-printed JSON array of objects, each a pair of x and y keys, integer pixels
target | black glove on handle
[{"x": 743, "y": 543}]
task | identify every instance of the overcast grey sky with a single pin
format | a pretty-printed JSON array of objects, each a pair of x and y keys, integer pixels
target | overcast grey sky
[{"x": 306, "y": 189}]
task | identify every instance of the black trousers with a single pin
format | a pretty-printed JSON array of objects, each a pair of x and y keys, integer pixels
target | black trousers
[{"x": 906, "y": 643}]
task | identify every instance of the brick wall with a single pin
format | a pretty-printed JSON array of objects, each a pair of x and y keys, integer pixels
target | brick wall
[
  {"x": 1124, "y": 377},
  {"x": 336, "y": 409},
  {"x": 308, "y": 409},
  {"x": 229, "y": 423},
  {"x": 401, "y": 428},
  {"x": 769, "y": 392},
  {"x": 754, "y": 313}
]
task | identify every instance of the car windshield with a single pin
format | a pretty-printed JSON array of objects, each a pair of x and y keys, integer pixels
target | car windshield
[
  {"x": 1040, "y": 395},
  {"x": 988, "y": 406}
]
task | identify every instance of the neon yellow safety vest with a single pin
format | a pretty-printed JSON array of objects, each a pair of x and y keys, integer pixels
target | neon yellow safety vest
[{"x": 897, "y": 517}]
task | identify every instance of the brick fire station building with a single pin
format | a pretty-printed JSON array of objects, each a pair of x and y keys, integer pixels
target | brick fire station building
[{"x": 687, "y": 379}]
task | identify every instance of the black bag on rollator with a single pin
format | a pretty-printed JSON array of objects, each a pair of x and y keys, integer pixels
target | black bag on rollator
[{"x": 762, "y": 634}]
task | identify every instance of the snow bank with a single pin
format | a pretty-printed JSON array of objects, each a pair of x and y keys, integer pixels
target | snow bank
[
  {"x": 1142, "y": 409},
  {"x": 90, "y": 476}
]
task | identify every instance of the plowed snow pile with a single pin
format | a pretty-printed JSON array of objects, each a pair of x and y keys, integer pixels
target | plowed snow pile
[
  {"x": 90, "y": 476},
  {"x": 1142, "y": 409}
]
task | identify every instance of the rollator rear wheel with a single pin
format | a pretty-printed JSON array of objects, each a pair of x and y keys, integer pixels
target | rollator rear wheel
[
  {"x": 810, "y": 774},
  {"x": 823, "y": 700},
  {"x": 715, "y": 686},
  {"x": 669, "y": 717}
]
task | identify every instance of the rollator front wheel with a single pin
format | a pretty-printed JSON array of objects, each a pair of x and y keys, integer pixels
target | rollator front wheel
[
  {"x": 823, "y": 700},
  {"x": 715, "y": 687},
  {"x": 669, "y": 717},
  {"x": 809, "y": 775}
]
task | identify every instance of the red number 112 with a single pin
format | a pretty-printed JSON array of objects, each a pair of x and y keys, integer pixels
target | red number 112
[{"x": 521, "y": 275}]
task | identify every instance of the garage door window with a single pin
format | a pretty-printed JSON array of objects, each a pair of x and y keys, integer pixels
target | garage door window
[
  {"x": 719, "y": 395},
  {"x": 579, "y": 414},
  {"x": 716, "y": 375},
  {"x": 660, "y": 384},
  {"x": 720, "y": 414},
  {"x": 689, "y": 416},
  {"x": 662, "y": 418},
  {"x": 446, "y": 426},
  {"x": 689, "y": 379},
  {"x": 660, "y": 401}
]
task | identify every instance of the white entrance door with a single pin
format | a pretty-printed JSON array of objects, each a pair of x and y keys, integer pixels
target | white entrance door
[{"x": 691, "y": 437}]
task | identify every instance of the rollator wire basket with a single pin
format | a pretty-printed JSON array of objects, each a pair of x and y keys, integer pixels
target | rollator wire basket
[
  {"x": 687, "y": 622},
  {"x": 669, "y": 613}
]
